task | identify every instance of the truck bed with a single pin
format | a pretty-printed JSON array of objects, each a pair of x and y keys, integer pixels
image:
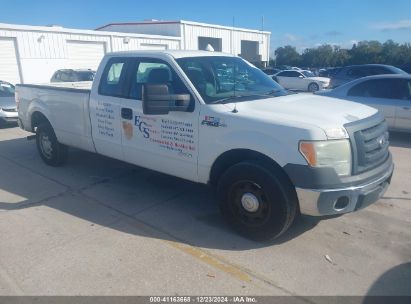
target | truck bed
[{"x": 66, "y": 106}]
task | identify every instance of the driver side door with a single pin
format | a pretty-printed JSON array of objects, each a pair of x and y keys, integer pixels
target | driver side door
[{"x": 167, "y": 143}]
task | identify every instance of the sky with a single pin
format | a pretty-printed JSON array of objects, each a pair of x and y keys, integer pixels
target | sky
[{"x": 300, "y": 23}]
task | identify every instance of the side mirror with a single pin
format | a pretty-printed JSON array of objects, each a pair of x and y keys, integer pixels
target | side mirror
[
  {"x": 158, "y": 101},
  {"x": 301, "y": 76}
]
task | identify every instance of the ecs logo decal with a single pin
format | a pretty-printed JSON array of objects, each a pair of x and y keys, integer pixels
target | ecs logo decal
[
  {"x": 142, "y": 126},
  {"x": 213, "y": 122}
]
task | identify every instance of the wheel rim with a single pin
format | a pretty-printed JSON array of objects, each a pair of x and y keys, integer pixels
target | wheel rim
[
  {"x": 313, "y": 87},
  {"x": 46, "y": 146},
  {"x": 249, "y": 203}
]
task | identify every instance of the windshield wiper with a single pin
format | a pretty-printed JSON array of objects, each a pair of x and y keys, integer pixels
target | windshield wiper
[{"x": 229, "y": 98}]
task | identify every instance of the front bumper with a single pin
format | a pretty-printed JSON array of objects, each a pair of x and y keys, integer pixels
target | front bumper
[
  {"x": 8, "y": 115},
  {"x": 320, "y": 202},
  {"x": 8, "y": 119}
]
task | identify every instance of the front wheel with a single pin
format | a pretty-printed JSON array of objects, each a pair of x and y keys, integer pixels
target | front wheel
[
  {"x": 313, "y": 87},
  {"x": 257, "y": 202},
  {"x": 51, "y": 151}
]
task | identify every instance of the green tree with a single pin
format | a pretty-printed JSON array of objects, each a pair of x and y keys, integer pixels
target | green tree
[
  {"x": 287, "y": 55},
  {"x": 363, "y": 52}
]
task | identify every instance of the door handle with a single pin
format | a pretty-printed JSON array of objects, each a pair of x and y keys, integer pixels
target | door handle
[{"x": 127, "y": 113}]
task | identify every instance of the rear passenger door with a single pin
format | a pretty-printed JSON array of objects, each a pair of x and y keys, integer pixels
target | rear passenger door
[
  {"x": 383, "y": 94},
  {"x": 105, "y": 108},
  {"x": 166, "y": 143},
  {"x": 289, "y": 79}
]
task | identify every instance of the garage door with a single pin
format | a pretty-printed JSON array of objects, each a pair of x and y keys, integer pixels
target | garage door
[
  {"x": 9, "y": 68},
  {"x": 153, "y": 47},
  {"x": 85, "y": 55}
]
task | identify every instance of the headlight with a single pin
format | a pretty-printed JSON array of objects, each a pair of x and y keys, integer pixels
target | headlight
[{"x": 328, "y": 153}]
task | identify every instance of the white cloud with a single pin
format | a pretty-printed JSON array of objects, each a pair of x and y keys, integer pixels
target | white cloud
[
  {"x": 290, "y": 37},
  {"x": 400, "y": 25}
]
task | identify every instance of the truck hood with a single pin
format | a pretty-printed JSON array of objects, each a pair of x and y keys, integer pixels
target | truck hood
[
  {"x": 7, "y": 102},
  {"x": 320, "y": 111}
]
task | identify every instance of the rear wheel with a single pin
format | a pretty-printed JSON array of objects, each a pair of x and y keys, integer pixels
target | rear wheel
[
  {"x": 51, "y": 151},
  {"x": 256, "y": 201},
  {"x": 313, "y": 87}
]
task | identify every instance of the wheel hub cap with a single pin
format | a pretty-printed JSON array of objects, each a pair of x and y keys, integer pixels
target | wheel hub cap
[
  {"x": 46, "y": 146},
  {"x": 250, "y": 202}
]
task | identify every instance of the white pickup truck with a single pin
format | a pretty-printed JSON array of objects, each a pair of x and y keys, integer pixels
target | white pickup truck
[{"x": 213, "y": 118}]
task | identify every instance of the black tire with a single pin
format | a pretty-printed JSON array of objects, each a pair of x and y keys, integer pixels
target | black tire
[
  {"x": 313, "y": 87},
  {"x": 51, "y": 151},
  {"x": 277, "y": 201}
]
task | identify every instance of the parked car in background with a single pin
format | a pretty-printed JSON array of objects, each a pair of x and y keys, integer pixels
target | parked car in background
[
  {"x": 8, "y": 108},
  {"x": 328, "y": 72},
  {"x": 69, "y": 75},
  {"x": 271, "y": 71},
  {"x": 301, "y": 80},
  {"x": 391, "y": 94},
  {"x": 348, "y": 73}
]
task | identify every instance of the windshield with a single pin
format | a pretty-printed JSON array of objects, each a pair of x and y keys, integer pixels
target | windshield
[
  {"x": 308, "y": 74},
  {"x": 6, "y": 89},
  {"x": 221, "y": 78}
]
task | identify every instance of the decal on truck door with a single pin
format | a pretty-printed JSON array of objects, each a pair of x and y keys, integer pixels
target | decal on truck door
[
  {"x": 105, "y": 119},
  {"x": 128, "y": 129},
  {"x": 171, "y": 135}
]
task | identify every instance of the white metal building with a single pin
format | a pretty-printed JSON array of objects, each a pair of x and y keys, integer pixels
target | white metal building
[
  {"x": 31, "y": 54},
  {"x": 252, "y": 45}
]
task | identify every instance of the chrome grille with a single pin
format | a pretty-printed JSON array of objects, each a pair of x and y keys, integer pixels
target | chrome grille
[
  {"x": 369, "y": 142},
  {"x": 372, "y": 146}
]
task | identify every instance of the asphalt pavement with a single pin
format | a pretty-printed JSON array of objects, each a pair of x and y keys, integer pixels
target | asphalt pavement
[{"x": 98, "y": 226}]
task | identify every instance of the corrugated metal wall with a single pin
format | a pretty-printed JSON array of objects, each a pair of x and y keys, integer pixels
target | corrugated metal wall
[
  {"x": 40, "y": 53},
  {"x": 231, "y": 39},
  {"x": 161, "y": 28},
  {"x": 190, "y": 31}
]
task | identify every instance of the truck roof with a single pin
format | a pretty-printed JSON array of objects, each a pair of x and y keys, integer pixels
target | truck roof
[{"x": 174, "y": 53}]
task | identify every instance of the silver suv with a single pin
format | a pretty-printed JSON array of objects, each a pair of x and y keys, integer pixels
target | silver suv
[{"x": 69, "y": 75}]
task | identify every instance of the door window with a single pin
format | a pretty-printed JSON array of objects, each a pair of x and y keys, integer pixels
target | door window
[
  {"x": 382, "y": 88},
  {"x": 154, "y": 71}
]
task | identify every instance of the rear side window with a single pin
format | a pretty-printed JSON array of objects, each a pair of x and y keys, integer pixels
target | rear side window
[
  {"x": 113, "y": 78},
  {"x": 289, "y": 74},
  {"x": 382, "y": 88},
  {"x": 56, "y": 76},
  {"x": 65, "y": 77}
]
